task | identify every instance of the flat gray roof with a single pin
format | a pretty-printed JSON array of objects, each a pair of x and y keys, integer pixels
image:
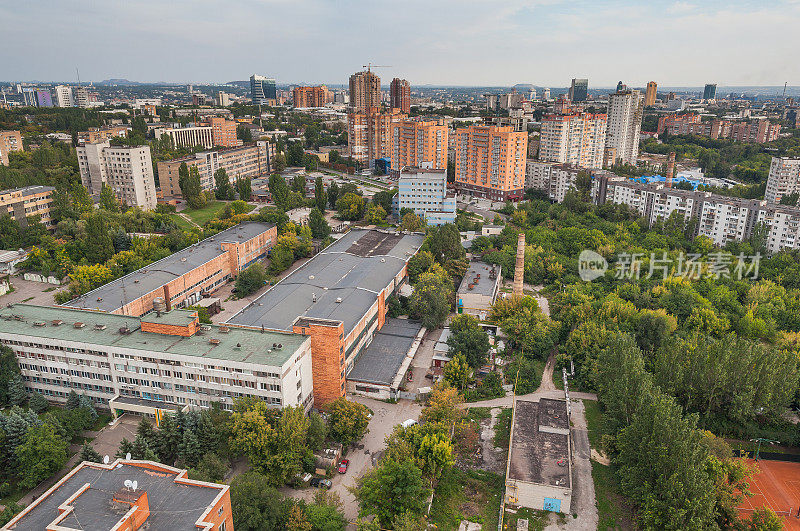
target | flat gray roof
[
  {"x": 540, "y": 443},
  {"x": 29, "y": 190},
  {"x": 237, "y": 344},
  {"x": 173, "y": 506},
  {"x": 132, "y": 286},
  {"x": 379, "y": 362},
  {"x": 482, "y": 286},
  {"x": 353, "y": 270}
]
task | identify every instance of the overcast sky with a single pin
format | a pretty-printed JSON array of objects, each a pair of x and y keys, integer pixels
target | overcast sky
[{"x": 442, "y": 42}]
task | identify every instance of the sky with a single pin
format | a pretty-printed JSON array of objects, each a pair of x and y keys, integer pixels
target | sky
[{"x": 438, "y": 42}]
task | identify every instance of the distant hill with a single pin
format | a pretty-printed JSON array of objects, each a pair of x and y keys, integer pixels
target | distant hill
[{"x": 116, "y": 81}]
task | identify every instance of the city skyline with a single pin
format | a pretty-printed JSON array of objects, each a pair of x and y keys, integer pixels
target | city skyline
[{"x": 475, "y": 44}]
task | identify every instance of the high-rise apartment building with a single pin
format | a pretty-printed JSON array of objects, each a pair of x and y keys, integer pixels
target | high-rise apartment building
[
  {"x": 81, "y": 95},
  {"x": 222, "y": 99},
  {"x": 308, "y": 97},
  {"x": 64, "y": 96},
  {"x": 624, "y": 125},
  {"x": 9, "y": 141},
  {"x": 128, "y": 171},
  {"x": 578, "y": 90},
  {"x": 369, "y": 134},
  {"x": 365, "y": 91},
  {"x": 490, "y": 161},
  {"x": 420, "y": 143},
  {"x": 578, "y": 139},
  {"x": 783, "y": 180},
  {"x": 400, "y": 95},
  {"x": 650, "y": 94},
  {"x": 21, "y": 203},
  {"x": 262, "y": 89},
  {"x": 710, "y": 91}
]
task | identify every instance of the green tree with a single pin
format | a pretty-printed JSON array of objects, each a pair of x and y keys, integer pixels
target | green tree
[
  {"x": 245, "y": 188},
  {"x": 412, "y": 222},
  {"x": 763, "y": 519},
  {"x": 108, "y": 201},
  {"x": 375, "y": 214},
  {"x": 38, "y": 403},
  {"x": 469, "y": 338},
  {"x": 390, "y": 490},
  {"x": 222, "y": 189},
  {"x": 81, "y": 201},
  {"x": 250, "y": 280},
  {"x": 318, "y": 224},
  {"x": 320, "y": 197},
  {"x": 73, "y": 400},
  {"x": 16, "y": 390},
  {"x": 99, "y": 246},
  {"x": 256, "y": 505},
  {"x": 444, "y": 243},
  {"x": 430, "y": 301},
  {"x": 418, "y": 264},
  {"x": 279, "y": 163},
  {"x": 317, "y": 431},
  {"x": 88, "y": 453},
  {"x": 457, "y": 372},
  {"x": 42, "y": 454},
  {"x": 191, "y": 189},
  {"x": 299, "y": 184},
  {"x": 347, "y": 420},
  {"x": 436, "y": 454},
  {"x": 384, "y": 199},
  {"x": 333, "y": 194},
  {"x": 279, "y": 191},
  {"x": 350, "y": 207},
  {"x": 211, "y": 468}
]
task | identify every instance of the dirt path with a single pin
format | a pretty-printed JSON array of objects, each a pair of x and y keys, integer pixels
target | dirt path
[
  {"x": 187, "y": 218},
  {"x": 547, "y": 375}
]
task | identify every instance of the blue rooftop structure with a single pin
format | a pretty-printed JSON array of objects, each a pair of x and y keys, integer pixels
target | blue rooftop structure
[{"x": 652, "y": 179}]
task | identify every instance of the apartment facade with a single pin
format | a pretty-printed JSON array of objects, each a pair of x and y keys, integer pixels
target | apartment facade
[
  {"x": 9, "y": 141},
  {"x": 81, "y": 96},
  {"x": 64, "y": 96},
  {"x": 419, "y": 143},
  {"x": 188, "y": 137},
  {"x": 305, "y": 97},
  {"x": 128, "y": 171},
  {"x": 490, "y": 162},
  {"x": 369, "y": 135},
  {"x": 365, "y": 92},
  {"x": 400, "y": 95},
  {"x": 249, "y": 161},
  {"x": 424, "y": 191},
  {"x": 223, "y": 132},
  {"x": 102, "y": 134},
  {"x": 578, "y": 139},
  {"x": 650, "y": 94},
  {"x": 625, "y": 110},
  {"x": 783, "y": 179},
  {"x": 21, "y": 203},
  {"x": 758, "y": 131}
]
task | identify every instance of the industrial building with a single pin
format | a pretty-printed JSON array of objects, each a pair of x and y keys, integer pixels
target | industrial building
[
  {"x": 478, "y": 290},
  {"x": 183, "y": 278},
  {"x": 339, "y": 299},
  {"x": 539, "y": 468},
  {"x": 128, "y": 495}
]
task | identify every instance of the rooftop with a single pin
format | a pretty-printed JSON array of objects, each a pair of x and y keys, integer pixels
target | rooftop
[
  {"x": 116, "y": 294},
  {"x": 112, "y": 330},
  {"x": 380, "y": 361},
  {"x": 485, "y": 285},
  {"x": 340, "y": 283},
  {"x": 29, "y": 190},
  {"x": 175, "y": 503},
  {"x": 540, "y": 443}
]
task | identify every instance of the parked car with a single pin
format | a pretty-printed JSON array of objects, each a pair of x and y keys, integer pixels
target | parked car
[
  {"x": 343, "y": 465},
  {"x": 321, "y": 483}
]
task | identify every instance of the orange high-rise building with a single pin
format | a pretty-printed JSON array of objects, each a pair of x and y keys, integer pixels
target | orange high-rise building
[
  {"x": 400, "y": 95},
  {"x": 365, "y": 91},
  {"x": 368, "y": 134},
  {"x": 308, "y": 97},
  {"x": 650, "y": 94},
  {"x": 490, "y": 162},
  {"x": 420, "y": 143}
]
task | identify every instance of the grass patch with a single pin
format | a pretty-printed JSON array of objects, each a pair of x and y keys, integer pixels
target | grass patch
[
  {"x": 28, "y": 299},
  {"x": 594, "y": 422},
  {"x": 202, "y": 215},
  {"x": 612, "y": 510},
  {"x": 502, "y": 429},
  {"x": 537, "y": 520},
  {"x": 473, "y": 495},
  {"x": 51, "y": 288},
  {"x": 101, "y": 422},
  {"x": 479, "y": 413},
  {"x": 558, "y": 379},
  {"x": 181, "y": 223}
]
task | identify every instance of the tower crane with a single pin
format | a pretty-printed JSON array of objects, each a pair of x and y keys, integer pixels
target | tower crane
[{"x": 370, "y": 66}]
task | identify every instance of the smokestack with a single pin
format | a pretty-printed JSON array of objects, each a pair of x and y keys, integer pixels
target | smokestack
[
  {"x": 670, "y": 169},
  {"x": 519, "y": 269}
]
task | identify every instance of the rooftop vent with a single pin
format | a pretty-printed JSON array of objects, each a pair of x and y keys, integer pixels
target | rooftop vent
[
  {"x": 135, "y": 280},
  {"x": 99, "y": 299},
  {"x": 57, "y": 322},
  {"x": 205, "y": 328},
  {"x": 183, "y": 259},
  {"x": 124, "y": 330},
  {"x": 99, "y": 327},
  {"x": 224, "y": 329},
  {"x": 310, "y": 277},
  {"x": 238, "y": 345},
  {"x": 277, "y": 347},
  {"x": 214, "y": 341},
  {"x": 39, "y": 323},
  {"x": 338, "y": 299},
  {"x": 79, "y": 325}
]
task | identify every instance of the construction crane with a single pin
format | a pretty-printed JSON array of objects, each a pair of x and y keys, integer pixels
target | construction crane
[{"x": 370, "y": 66}]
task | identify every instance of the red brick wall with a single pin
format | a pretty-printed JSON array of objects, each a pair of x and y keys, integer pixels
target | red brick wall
[{"x": 327, "y": 361}]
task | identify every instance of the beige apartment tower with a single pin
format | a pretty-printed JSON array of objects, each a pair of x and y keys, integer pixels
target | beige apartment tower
[
  {"x": 650, "y": 94},
  {"x": 365, "y": 91}
]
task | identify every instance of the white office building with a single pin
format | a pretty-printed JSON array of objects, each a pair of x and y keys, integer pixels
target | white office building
[
  {"x": 188, "y": 137},
  {"x": 625, "y": 110},
  {"x": 425, "y": 192},
  {"x": 127, "y": 170},
  {"x": 64, "y": 96},
  {"x": 784, "y": 178}
]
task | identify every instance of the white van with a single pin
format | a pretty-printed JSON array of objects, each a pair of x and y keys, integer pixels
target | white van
[{"x": 408, "y": 423}]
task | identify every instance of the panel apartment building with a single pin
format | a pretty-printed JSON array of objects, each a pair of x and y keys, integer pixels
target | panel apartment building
[
  {"x": 490, "y": 162},
  {"x": 128, "y": 171},
  {"x": 783, "y": 179},
  {"x": 578, "y": 139},
  {"x": 338, "y": 298},
  {"x": 756, "y": 131},
  {"x": 249, "y": 161},
  {"x": 419, "y": 143},
  {"x": 9, "y": 141},
  {"x": 424, "y": 191},
  {"x": 625, "y": 109},
  {"x": 157, "y": 363},
  {"x": 183, "y": 278},
  {"x": 21, "y": 203}
]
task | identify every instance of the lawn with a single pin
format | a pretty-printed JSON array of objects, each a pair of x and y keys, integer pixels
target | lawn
[
  {"x": 473, "y": 495},
  {"x": 181, "y": 223},
  {"x": 594, "y": 422},
  {"x": 537, "y": 520},
  {"x": 502, "y": 429}
]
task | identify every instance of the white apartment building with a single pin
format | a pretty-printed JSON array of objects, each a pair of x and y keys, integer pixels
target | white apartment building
[
  {"x": 555, "y": 179},
  {"x": 425, "y": 192},
  {"x": 127, "y": 170},
  {"x": 625, "y": 110},
  {"x": 784, "y": 223},
  {"x": 784, "y": 178},
  {"x": 81, "y": 97},
  {"x": 188, "y": 136},
  {"x": 724, "y": 219},
  {"x": 577, "y": 139},
  {"x": 537, "y": 174},
  {"x": 64, "y": 96},
  {"x": 159, "y": 362}
]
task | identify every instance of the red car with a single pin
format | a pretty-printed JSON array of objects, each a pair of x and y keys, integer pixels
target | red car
[{"x": 343, "y": 466}]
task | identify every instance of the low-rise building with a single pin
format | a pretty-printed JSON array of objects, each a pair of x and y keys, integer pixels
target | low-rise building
[
  {"x": 478, "y": 290},
  {"x": 9, "y": 141},
  {"x": 425, "y": 192},
  {"x": 102, "y": 134},
  {"x": 103, "y": 496},
  {"x": 22, "y": 203}
]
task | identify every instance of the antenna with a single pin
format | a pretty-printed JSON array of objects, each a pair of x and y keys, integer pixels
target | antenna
[
  {"x": 79, "y": 76},
  {"x": 105, "y": 460},
  {"x": 370, "y": 66},
  {"x": 134, "y": 485}
]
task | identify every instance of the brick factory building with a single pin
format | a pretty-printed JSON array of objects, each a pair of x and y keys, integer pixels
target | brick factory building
[
  {"x": 98, "y": 496},
  {"x": 181, "y": 279}
]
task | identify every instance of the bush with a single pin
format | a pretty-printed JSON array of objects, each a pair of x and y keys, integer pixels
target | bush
[{"x": 250, "y": 280}]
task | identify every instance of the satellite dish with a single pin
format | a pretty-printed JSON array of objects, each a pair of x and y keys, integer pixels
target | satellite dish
[
  {"x": 128, "y": 483},
  {"x": 134, "y": 485},
  {"x": 128, "y": 456},
  {"x": 105, "y": 460}
]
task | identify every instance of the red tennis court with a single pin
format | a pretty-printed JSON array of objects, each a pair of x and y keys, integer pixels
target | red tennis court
[{"x": 777, "y": 486}]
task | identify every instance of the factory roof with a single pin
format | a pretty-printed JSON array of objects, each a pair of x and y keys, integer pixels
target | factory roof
[
  {"x": 116, "y": 294},
  {"x": 340, "y": 283},
  {"x": 380, "y": 361},
  {"x": 539, "y": 450},
  {"x": 230, "y": 343},
  {"x": 485, "y": 285}
]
